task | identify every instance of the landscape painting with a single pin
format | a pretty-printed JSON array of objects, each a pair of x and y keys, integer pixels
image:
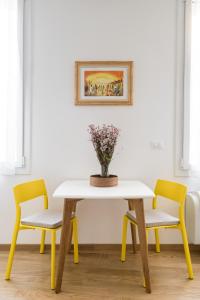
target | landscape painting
[{"x": 104, "y": 83}]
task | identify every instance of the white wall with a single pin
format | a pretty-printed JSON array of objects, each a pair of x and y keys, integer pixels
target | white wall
[{"x": 64, "y": 31}]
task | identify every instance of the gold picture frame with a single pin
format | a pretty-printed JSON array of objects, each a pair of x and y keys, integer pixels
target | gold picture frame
[{"x": 104, "y": 82}]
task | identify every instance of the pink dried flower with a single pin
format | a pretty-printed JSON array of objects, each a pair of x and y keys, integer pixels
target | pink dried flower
[{"x": 104, "y": 140}]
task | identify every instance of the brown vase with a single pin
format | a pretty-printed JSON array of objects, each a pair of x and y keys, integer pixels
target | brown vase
[{"x": 99, "y": 181}]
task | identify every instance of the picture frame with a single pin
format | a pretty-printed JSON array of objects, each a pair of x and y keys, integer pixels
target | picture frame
[{"x": 104, "y": 82}]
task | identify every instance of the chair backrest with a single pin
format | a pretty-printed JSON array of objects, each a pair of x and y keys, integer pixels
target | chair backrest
[
  {"x": 171, "y": 190},
  {"x": 30, "y": 190}
]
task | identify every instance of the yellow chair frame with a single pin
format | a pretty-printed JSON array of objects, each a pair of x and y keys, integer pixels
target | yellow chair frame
[
  {"x": 29, "y": 191},
  {"x": 173, "y": 191}
]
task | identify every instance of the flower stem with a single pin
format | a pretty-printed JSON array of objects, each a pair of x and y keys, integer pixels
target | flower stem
[{"x": 104, "y": 170}]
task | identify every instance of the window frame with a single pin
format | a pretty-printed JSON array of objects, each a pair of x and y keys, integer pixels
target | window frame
[
  {"x": 25, "y": 168},
  {"x": 182, "y": 107}
]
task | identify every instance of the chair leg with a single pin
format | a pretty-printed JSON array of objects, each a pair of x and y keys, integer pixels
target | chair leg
[
  {"x": 53, "y": 258},
  {"x": 42, "y": 243},
  {"x": 187, "y": 251},
  {"x": 75, "y": 239},
  {"x": 147, "y": 236},
  {"x": 157, "y": 240},
  {"x": 12, "y": 252},
  {"x": 124, "y": 234}
]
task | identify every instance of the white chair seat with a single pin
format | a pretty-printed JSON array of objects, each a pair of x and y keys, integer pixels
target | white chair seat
[
  {"x": 154, "y": 218},
  {"x": 47, "y": 218}
]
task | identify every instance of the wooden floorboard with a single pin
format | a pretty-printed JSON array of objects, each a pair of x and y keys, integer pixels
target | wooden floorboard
[{"x": 101, "y": 275}]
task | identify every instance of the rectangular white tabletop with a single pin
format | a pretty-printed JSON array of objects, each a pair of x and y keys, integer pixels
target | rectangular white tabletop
[{"x": 81, "y": 189}]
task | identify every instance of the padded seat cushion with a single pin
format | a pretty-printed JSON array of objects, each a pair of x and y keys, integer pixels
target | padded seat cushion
[
  {"x": 154, "y": 217},
  {"x": 47, "y": 218}
]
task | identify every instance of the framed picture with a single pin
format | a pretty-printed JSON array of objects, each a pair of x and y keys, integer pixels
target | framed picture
[{"x": 103, "y": 82}]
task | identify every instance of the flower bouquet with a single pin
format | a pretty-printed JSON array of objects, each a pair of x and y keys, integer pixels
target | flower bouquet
[{"x": 104, "y": 140}]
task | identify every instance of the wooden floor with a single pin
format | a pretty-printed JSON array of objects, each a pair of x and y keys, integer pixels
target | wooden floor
[{"x": 101, "y": 275}]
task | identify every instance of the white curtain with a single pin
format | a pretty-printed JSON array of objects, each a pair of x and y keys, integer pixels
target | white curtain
[
  {"x": 195, "y": 88},
  {"x": 11, "y": 85}
]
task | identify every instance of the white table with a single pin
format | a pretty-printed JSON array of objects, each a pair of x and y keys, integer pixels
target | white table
[{"x": 74, "y": 190}]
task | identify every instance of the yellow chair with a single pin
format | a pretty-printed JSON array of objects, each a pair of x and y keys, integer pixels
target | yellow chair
[
  {"x": 156, "y": 219},
  {"x": 45, "y": 221}
]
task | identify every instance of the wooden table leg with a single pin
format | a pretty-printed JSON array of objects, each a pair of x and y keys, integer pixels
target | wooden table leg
[
  {"x": 69, "y": 240},
  {"x": 139, "y": 209},
  {"x": 69, "y": 206},
  {"x": 133, "y": 229}
]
